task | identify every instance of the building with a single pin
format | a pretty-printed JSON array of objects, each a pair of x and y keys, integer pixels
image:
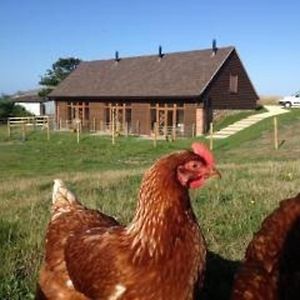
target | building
[
  {"x": 33, "y": 103},
  {"x": 174, "y": 90}
]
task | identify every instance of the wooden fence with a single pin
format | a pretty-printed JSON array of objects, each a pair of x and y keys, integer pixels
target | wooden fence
[
  {"x": 126, "y": 129},
  {"x": 114, "y": 129},
  {"x": 28, "y": 123}
]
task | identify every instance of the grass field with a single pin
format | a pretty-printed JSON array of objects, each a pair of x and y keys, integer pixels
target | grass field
[{"x": 255, "y": 179}]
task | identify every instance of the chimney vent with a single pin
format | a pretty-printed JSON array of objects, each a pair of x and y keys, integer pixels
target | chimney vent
[
  {"x": 214, "y": 47},
  {"x": 160, "y": 54},
  {"x": 117, "y": 58}
]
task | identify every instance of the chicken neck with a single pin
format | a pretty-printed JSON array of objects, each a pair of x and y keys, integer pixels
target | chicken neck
[{"x": 163, "y": 214}]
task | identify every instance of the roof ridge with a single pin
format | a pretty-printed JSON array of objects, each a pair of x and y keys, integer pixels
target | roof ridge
[
  {"x": 156, "y": 55},
  {"x": 179, "y": 73}
]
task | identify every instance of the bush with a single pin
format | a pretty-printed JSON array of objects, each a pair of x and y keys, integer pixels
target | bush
[{"x": 10, "y": 109}]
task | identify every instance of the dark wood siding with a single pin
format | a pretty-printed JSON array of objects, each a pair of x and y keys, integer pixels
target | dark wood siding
[
  {"x": 189, "y": 118},
  {"x": 199, "y": 120},
  {"x": 140, "y": 115},
  {"x": 97, "y": 114},
  {"x": 219, "y": 88},
  {"x": 62, "y": 111}
]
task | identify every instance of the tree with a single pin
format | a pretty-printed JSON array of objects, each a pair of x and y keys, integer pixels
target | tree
[
  {"x": 60, "y": 70},
  {"x": 10, "y": 109}
]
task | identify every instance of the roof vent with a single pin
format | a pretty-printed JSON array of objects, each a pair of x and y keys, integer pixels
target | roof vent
[
  {"x": 160, "y": 53},
  {"x": 214, "y": 47},
  {"x": 117, "y": 58}
]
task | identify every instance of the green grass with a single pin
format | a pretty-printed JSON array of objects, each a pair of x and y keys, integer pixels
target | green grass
[
  {"x": 255, "y": 179},
  {"x": 62, "y": 153}
]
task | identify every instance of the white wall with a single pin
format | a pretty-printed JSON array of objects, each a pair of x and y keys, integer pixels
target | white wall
[
  {"x": 49, "y": 108},
  {"x": 33, "y": 108}
]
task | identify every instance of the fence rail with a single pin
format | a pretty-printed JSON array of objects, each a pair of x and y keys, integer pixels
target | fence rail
[
  {"x": 23, "y": 123},
  {"x": 126, "y": 128}
]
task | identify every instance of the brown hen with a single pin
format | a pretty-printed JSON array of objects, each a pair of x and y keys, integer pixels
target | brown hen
[
  {"x": 159, "y": 255},
  {"x": 271, "y": 268}
]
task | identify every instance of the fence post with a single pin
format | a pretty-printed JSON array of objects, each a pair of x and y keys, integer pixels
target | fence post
[
  {"x": 34, "y": 124},
  {"x": 155, "y": 135},
  {"x": 78, "y": 130},
  {"x": 23, "y": 131},
  {"x": 174, "y": 132},
  {"x": 166, "y": 130},
  {"x": 193, "y": 130},
  {"x": 94, "y": 124},
  {"x": 113, "y": 127},
  {"x": 8, "y": 128},
  {"x": 138, "y": 127},
  {"x": 275, "y": 133},
  {"x": 211, "y": 135},
  {"x": 126, "y": 129},
  {"x": 48, "y": 128}
]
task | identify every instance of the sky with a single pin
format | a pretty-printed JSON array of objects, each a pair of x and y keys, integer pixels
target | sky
[{"x": 35, "y": 33}]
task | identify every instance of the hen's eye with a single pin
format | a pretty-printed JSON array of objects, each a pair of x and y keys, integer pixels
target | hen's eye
[{"x": 194, "y": 165}]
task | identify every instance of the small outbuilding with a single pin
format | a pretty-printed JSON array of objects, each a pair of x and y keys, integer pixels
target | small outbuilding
[
  {"x": 33, "y": 103},
  {"x": 174, "y": 90}
]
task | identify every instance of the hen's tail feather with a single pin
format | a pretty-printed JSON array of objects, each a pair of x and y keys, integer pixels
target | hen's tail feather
[
  {"x": 62, "y": 198},
  {"x": 62, "y": 193}
]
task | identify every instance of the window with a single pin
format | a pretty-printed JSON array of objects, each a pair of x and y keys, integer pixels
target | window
[
  {"x": 233, "y": 83},
  {"x": 167, "y": 114},
  {"x": 121, "y": 110},
  {"x": 78, "y": 110}
]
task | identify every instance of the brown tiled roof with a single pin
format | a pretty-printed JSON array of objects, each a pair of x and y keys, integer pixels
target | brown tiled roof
[
  {"x": 175, "y": 74},
  {"x": 27, "y": 96}
]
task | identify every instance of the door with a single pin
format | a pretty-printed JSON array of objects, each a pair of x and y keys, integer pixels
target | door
[
  {"x": 79, "y": 111},
  {"x": 120, "y": 115},
  {"x": 167, "y": 119},
  {"x": 208, "y": 115}
]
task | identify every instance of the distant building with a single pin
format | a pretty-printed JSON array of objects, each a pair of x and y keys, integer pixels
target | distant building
[
  {"x": 33, "y": 103},
  {"x": 174, "y": 90}
]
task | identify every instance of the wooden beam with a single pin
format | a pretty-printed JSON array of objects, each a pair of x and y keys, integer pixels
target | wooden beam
[
  {"x": 78, "y": 130},
  {"x": 155, "y": 133},
  {"x": 113, "y": 127},
  {"x": 124, "y": 116},
  {"x": 23, "y": 131},
  {"x": 174, "y": 121},
  {"x": 8, "y": 128}
]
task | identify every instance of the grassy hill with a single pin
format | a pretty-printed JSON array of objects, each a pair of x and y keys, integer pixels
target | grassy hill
[{"x": 255, "y": 179}]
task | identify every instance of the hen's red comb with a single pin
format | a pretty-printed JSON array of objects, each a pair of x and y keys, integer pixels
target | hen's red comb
[{"x": 201, "y": 150}]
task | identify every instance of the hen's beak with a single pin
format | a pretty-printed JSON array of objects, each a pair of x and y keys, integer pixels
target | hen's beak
[{"x": 215, "y": 172}]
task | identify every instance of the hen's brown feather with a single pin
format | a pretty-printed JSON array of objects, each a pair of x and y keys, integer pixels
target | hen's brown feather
[
  {"x": 68, "y": 216},
  {"x": 271, "y": 269}
]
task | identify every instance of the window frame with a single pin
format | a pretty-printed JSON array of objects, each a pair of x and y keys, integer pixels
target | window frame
[{"x": 233, "y": 83}]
